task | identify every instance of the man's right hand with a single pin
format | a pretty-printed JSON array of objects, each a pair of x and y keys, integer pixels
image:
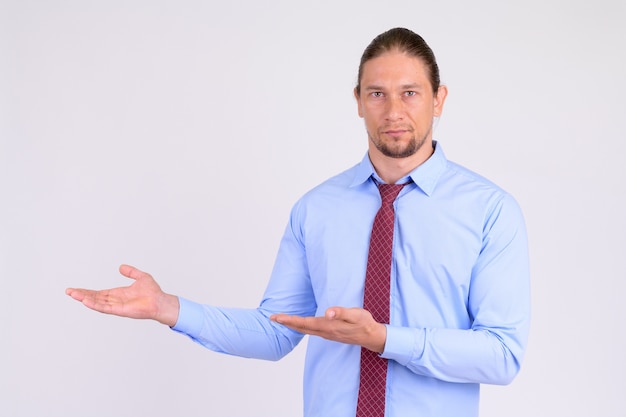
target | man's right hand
[{"x": 143, "y": 299}]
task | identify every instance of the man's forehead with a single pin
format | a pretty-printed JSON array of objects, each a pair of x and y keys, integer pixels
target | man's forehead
[{"x": 409, "y": 71}]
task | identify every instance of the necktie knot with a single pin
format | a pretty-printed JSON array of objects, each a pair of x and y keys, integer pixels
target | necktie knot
[{"x": 389, "y": 192}]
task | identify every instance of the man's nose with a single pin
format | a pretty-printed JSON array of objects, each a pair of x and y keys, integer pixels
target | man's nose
[{"x": 395, "y": 108}]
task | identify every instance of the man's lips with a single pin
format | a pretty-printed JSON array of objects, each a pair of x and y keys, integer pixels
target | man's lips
[{"x": 395, "y": 132}]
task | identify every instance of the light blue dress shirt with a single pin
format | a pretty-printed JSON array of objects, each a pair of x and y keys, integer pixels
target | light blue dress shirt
[{"x": 459, "y": 291}]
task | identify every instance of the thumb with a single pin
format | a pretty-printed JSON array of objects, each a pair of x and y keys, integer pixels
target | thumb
[
  {"x": 334, "y": 313},
  {"x": 131, "y": 272}
]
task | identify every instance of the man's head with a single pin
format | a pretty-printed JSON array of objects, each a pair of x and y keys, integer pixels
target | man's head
[
  {"x": 406, "y": 41},
  {"x": 398, "y": 95}
]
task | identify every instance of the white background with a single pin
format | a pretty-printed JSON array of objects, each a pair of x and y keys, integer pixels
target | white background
[{"x": 176, "y": 135}]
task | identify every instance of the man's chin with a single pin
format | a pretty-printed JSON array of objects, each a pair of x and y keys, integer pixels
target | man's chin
[{"x": 398, "y": 152}]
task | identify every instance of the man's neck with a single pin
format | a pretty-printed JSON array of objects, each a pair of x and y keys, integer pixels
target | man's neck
[{"x": 391, "y": 169}]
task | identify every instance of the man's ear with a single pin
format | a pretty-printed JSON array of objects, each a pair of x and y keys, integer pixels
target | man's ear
[
  {"x": 440, "y": 98},
  {"x": 357, "y": 97}
]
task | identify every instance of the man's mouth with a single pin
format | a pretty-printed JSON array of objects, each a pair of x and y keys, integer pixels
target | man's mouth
[{"x": 395, "y": 132}]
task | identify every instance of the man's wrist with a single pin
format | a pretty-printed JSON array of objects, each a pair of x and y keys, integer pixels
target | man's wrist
[
  {"x": 169, "y": 307},
  {"x": 379, "y": 338}
]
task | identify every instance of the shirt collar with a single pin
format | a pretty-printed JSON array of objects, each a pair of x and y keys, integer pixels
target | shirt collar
[{"x": 424, "y": 176}]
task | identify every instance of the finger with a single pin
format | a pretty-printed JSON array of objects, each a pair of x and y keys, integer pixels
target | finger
[
  {"x": 76, "y": 293},
  {"x": 297, "y": 323},
  {"x": 286, "y": 319},
  {"x": 100, "y": 302},
  {"x": 95, "y": 300},
  {"x": 131, "y": 272},
  {"x": 342, "y": 313},
  {"x": 334, "y": 313},
  {"x": 82, "y": 295}
]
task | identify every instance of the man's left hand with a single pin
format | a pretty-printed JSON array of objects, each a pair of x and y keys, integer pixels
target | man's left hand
[{"x": 354, "y": 326}]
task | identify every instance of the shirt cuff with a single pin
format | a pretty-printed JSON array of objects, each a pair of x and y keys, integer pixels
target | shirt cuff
[
  {"x": 403, "y": 344},
  {"x": 190, "y": 317}
]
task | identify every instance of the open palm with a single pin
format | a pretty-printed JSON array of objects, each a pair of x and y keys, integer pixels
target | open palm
[{"x": 143, "y": 299}]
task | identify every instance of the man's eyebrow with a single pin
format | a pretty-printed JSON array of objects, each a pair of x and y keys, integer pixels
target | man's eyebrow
[
  {"x": 373, "y": 87},
  {"x": 411, "y": 86}
]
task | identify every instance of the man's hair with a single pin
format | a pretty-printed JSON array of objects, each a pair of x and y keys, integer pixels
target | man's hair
[{"x": 403, "y": 40}]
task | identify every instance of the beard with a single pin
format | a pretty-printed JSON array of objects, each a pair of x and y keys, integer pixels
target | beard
[{"x": 397, "y": 148}]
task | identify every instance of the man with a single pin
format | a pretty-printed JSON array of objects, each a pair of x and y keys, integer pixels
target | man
[{"x": 456, "y": 307}]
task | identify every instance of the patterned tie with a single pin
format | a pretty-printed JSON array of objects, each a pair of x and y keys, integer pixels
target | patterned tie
[{"x": 371, "y": 402}]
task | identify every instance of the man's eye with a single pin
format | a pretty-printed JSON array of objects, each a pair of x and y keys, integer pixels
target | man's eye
[
  {"x": 377, "y": 94},
  {"x": 410, "y": 93}
]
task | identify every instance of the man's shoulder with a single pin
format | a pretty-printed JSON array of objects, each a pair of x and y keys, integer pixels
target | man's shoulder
[
  {"x": 473, "y": 190},
  {"x": 337, "y": 183},
  {"x": 461, "y": 176},
  {"x": 334, "y": 191}
]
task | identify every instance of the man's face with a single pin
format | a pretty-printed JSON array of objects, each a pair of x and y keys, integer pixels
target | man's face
[{"x": 398, "y": 105}]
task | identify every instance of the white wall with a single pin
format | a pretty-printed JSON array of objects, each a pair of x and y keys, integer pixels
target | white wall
[{"x": 176, "y": 136}]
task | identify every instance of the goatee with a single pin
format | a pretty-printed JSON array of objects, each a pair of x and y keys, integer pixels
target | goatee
[{"x": 397, "y": 150}]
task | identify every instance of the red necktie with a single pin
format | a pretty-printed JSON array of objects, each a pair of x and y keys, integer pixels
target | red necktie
[{"x": 371, "y": 402}]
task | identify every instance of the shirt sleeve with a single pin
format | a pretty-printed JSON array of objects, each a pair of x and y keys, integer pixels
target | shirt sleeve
[
  {"x": 491, "y": 351},
  {"x": 242, "y": 332},
  {"x": 249, "y": 332}
]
